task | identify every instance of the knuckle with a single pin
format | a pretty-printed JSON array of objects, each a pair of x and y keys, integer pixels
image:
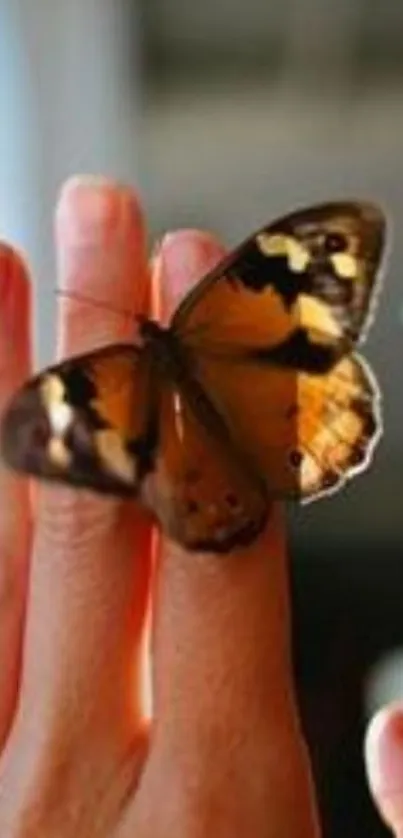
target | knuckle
[{"x": 75, "y": 521}]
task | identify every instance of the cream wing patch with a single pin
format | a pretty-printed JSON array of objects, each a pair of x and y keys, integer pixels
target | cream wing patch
[
  {"x": 59, "y": 453},
  {"x": 277, "y": 244},
  {"x": 53, "y": 390},
  {"x": 60, "y": 413},
  {"x": 345, "y": 265},
  {"x": 317, "y": 319},
  {"x": 113, "y": 454},
  {"x": 60, "y": 416}
]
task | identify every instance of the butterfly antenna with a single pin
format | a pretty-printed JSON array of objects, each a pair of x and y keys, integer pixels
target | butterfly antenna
[{"x": 60, "y": 292}]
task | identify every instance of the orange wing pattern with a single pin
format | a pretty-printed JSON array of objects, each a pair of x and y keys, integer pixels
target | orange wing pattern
[
  {"x": 85, "y": 422},
  {"x": 298, "y": 292},
  {"x": 306, "y": 434},
  {"x": 201, "y": 490},
  {"x": 107, "y": 421}
]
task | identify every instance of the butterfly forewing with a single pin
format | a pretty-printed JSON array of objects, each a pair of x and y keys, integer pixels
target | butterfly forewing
[
  {"x": 269, "y": 333},
  {"x": 85, "y": 421},
  {"x": 298, "y": 292},
  {"x": 109, "y": 421}
]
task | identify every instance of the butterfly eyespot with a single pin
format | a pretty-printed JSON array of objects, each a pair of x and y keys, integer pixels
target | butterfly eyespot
[
  {"x": 295, "y": 458},
  {"x": 335, "y": 243}
]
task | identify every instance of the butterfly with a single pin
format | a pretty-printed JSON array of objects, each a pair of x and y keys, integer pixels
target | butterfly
[{"x": 253, "y": 392}]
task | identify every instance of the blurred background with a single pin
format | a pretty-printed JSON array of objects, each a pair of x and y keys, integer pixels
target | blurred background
[{"x": 225, "y": 115}]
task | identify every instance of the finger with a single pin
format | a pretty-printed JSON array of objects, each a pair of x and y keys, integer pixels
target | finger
[
  {"x": 91, "y": 560},
  {"x": 384, "y": 761},
  {"x": 14, "y": 501},
  {"x": 223, "y": 689}
]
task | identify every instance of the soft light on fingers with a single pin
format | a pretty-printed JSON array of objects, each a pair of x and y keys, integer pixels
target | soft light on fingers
[
  {"x": 15, "y": 525},
  {"x": 223, "y": 692},
  {"x": 103, "y": 276},
  {"x": 199, "y": 596},
  {"x": 92, "y": 553},
  {"x": 181, "y": 259}
]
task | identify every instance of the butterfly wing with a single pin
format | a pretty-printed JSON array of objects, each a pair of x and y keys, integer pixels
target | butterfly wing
[
  {"x": 299, "y": 292},
  {"x": 305, "y": 433},
  {"x": 85, "y": 421},
  {"x": 109, "y": 421},
  {"x": 269, "y": 333},
  {"x": 201, "y": 490},
  {"x": 271, "y": 405}
]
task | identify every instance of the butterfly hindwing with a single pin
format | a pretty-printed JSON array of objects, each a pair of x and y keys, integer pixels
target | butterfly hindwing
[
  {"x": 340, "y": 425},
  {"x": 305, "y": 433},
  {"x": 85, "y": 421},
  {"x": 203, "y": 493},
  {"x": 299, "y": 292}
]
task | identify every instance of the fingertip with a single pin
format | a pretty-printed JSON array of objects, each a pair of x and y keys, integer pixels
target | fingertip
[
  {"x": 15, "y": 294},
  {"x": 13, "y": 267},
  {"x": 384, "y": 763},
  {"x": 102, "y": 266},
  {"x": 384, "y": 750},
  {"x": 183, "y": 258},
  {"x": 200, "y": 242},
  {"x": 93, "y": 206}
]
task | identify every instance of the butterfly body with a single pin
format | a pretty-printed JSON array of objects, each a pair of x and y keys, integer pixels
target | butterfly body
[{"x": 253, "y": 391}]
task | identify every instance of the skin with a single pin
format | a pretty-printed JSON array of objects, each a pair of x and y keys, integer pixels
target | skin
[{"x": 223, "y": 756}]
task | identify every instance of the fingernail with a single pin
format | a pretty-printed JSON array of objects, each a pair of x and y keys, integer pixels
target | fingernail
[
  {"x": 186, "y": 256},
  {"x": 93, "y": 209},
  {"x": 186, "y": 250},
  {"x": 384, "y": 752}
]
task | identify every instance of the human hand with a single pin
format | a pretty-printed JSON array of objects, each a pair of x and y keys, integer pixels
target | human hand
[{"x": 223, "y": 756}]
